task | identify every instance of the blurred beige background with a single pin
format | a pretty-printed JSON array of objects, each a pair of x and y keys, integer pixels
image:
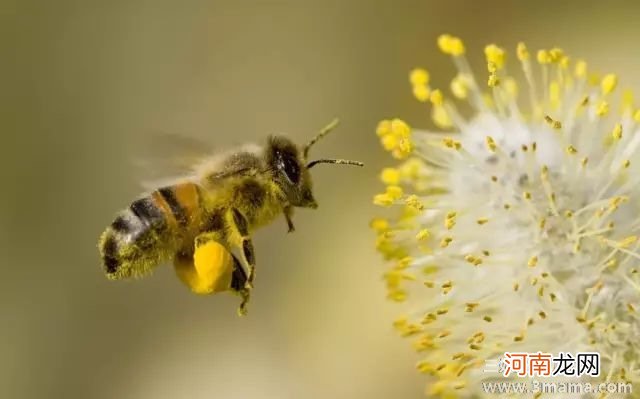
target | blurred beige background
[{"x": 81, "y": 82}]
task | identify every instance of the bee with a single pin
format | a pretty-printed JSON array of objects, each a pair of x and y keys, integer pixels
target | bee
[{"x": 200, "y": 220}]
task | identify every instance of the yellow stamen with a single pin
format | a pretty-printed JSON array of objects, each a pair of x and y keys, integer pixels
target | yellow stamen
[
  {"x": 414, "y": 202},
  {"x": 543, "y": 57},
  {"x": 459, "y": 87},
  {"x": 423, "y": 235},
  {"x": 617, "y": 131},
  {"x": 419, "y": 76},
  {"x": 554, "y": 123},
  {"x": 379, "y": 225},
  {"x": 609, "y": 83},
  {"x": 421, "y": 93},
  {"x": 394, "y": 192},
  {"x": 495, "y": 55},
  {"x": 451, "y": 143},
  {"x": 390, "y": 176},
  {"x": 383, "y": 128},
  {"x": 400, "y": 128},
  {"x": 451, "y": 45},
  {"x": 445, "y": 242},
  {"x": 493, "y": 80},
  {"x": 602, "y": 109},
  {"x": 581, "y": 69},
  {"x": 436, "y": 97},
  {"x": 441, "y": 117},
  {"x": 522, "y": 51}
]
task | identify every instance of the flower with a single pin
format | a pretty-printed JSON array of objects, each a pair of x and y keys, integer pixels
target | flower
[{"x": 515, "y": 227}]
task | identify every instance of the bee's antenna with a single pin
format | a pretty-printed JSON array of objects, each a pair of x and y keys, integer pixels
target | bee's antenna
[
  {"x": 325, "y": 130},
  {"x": 335, "y": 161}
]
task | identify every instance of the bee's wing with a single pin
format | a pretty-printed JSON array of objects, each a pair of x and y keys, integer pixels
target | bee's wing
[
  {"x": 166, "y": 158},
  {"x": 244, "y": 160}
]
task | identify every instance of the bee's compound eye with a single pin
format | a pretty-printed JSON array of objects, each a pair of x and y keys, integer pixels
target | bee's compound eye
[{"x": 291, "y": 168}]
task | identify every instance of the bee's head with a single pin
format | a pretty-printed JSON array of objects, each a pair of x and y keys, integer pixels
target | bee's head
[{"x": 291, "y": 169}]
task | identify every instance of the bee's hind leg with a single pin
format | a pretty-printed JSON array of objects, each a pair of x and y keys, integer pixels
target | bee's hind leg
[
  {"x": 248, "y": 252},
  {"x": 238, "y": 285},
  {"x": 232, "y": 278}
]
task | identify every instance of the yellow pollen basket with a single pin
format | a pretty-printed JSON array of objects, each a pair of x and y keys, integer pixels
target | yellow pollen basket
[{"x": 210, "y": 271}]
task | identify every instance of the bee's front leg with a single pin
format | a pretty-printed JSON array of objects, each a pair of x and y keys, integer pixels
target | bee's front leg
[{"x": 288, "y": 214}]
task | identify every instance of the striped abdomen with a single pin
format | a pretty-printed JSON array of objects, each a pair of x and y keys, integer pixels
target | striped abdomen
[{"x": 150, "y": 231}]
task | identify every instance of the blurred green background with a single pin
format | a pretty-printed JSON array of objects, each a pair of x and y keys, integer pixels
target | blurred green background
[{"x": 82, "y": 82}]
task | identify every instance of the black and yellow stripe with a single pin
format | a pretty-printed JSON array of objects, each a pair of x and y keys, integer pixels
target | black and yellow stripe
[
  {"x": 147, "y": 211},
  {"x": 109, "y": 250},
  {"x": 144, "y": 235},
  {"x": 168, "y": 194}
]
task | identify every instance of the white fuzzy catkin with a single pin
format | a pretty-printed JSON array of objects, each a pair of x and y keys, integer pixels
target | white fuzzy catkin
[{"x": 516, "y": 226}]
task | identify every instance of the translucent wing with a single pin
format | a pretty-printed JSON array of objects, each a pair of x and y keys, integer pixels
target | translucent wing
[
  {"x": 241, "y": 161},
  {"x": 163, "y": 158}
]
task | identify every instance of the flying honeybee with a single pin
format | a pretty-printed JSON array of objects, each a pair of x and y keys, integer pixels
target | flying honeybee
[{"x": 201, "y": 219}]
